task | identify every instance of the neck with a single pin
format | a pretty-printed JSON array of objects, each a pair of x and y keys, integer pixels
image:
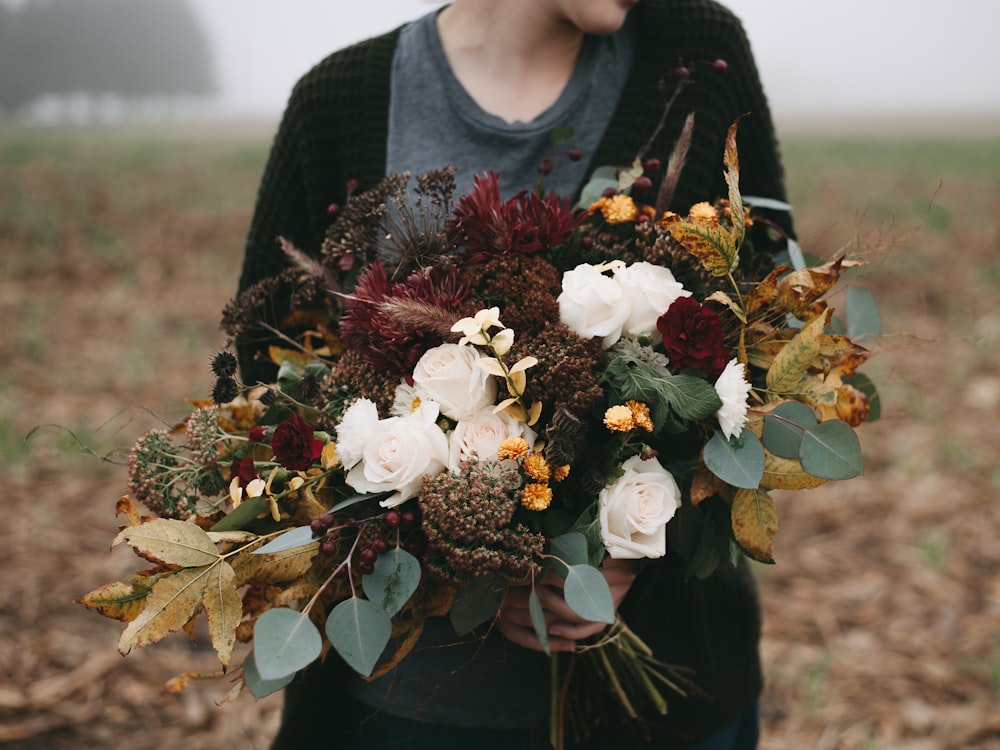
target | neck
[{"x": 513, "y": 57}]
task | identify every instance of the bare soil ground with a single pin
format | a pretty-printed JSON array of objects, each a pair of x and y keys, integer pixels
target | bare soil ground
[{"x": 119, "y": 248}]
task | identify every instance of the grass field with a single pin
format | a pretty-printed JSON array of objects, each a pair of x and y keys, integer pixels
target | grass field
[{"x": 120, "y": 245}]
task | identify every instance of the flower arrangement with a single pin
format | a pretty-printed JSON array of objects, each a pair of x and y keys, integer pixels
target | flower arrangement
[{"x": 504, "y": 390}]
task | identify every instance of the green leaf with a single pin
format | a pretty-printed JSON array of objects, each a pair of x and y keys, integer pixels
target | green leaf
[
  {"x": 258, "y": 686},
  {"x": 784, "y": 426},
  {"x": 863, "y": 317},
  {"x": 360, "y": 631},
  {"x": 684, "y": 397},
  {"x": 832, "y": 451},
  {"x": 602, "y": 179},
  {"x": 396, "y": 577},
  {"x": 571, "y": 549},
  {"x": 300, "y": 536},
  {"x": 588, "y": 595},
  {"x": 476, "y": 603},
  {"x": 738, "y": 461},
  {"x": 538, "y": 620},
  {"x": 561, "y": 135},
  {"x": 247, "y": 511},
  {"x": 289, "y": 377},
  {"x": 285, "y": 641}
]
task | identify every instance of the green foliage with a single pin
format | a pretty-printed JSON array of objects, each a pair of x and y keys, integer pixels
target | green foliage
[
  {"x": 832, "y": 451},
  {"x": 258, "y": 686},
  {"x": 476, "y": 603},
  {"x": 588, "y": 595},
  {"x": 737, "y": 461},
  {"x": 359, "y": 630},
  {"x": 285, "y": 641},
  {"x": 673, "y": 400},
  {"x": 396, "y": 577}
]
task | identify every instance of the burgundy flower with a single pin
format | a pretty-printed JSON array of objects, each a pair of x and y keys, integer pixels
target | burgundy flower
[
  {"x": 528, "y": 222},
  {"x": 692, "y": 337},
  {"x": 293, "y": 444},
  {"x": 257, "y": 434},
  {"x": 244, "y": 469},
  {"x": 392, "y": 324}
]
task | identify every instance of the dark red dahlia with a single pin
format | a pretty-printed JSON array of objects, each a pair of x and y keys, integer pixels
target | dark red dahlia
[
  {"x": 293, "y": 444},
  {"x": 391, "y": 324},
  {"x": 485, "y": 226},
  {"x": 692, "y": 337}
]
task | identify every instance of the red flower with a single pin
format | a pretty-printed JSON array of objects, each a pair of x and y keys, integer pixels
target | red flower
[
  {"x": 257, "y": 434},
  {"x": 692, "y": 337},
  {"x": 244, "y": 469},
  {"x": 487, "y": 226},
  {"x": 293, "y": 444}
]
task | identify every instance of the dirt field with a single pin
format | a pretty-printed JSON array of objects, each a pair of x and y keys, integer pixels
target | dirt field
[{"x": 119, "y": 247}]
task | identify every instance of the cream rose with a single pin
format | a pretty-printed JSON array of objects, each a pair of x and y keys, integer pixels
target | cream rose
[
  {"x": 399, "y": 453},
  {"x": 480, "y": 435},
  {"x": 650, "y": 290},
  {"x": 449, "y": 376},
  {"x": 592, "y": 304},
  {"x": 634, "y": 511}
]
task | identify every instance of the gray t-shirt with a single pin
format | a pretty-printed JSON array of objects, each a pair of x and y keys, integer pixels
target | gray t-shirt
[{"x": 433, "y": 123}]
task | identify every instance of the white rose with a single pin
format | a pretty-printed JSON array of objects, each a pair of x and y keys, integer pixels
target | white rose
[
  {"x": 399, "y": 453},
  {"x": 449, "y": 376},
  {"x": 480, "y": 435},
  {"x": 354, "y": 430},
  {"x": 733, "y": 389},
  {"x": 651, "y": 290},
  {"x": 634, "y": 510},
  {"x": 592, "y": 304}
]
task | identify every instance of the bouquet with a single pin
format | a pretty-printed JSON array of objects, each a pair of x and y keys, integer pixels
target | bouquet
[{"x": 474, "y": 396}]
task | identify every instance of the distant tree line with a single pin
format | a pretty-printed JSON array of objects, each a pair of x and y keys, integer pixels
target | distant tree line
[{"x": 127, "y": 48}]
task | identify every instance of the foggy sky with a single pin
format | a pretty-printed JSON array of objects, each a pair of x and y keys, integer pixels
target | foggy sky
[{"x": 850, "y": 57}]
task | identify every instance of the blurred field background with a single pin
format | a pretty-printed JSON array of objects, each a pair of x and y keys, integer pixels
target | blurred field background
[{"x": 119, "y": 245}]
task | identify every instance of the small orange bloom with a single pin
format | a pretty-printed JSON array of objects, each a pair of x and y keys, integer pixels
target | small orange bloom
[
  {"x": 536, "y": 496},
  {"x": 536, "y": 467},
  {"x": 512, "y": 448},
  {"x": 619, "y": 419}
]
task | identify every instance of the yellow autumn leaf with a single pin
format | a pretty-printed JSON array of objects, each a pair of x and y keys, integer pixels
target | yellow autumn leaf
[
  {"x": 795, "y": 358},
  {"x": 712, "y": 244},
  {"x": 534, "y": 412},
  {"x": 276, "y": 567},
  {"x": 731, "y": 160},
  {"x": 724, "y": 299},
  {"x": 787, "y": 474},
  {"x": 491, "y": 366},
  {"x": 224, "y": 608},
  {"x": 516, "y": 382},
  {"x": 170, "y": 541},
  {"x": 118, "y": 600},
  {"x": 169, "y": 606},
  {"x": 755, "y": 523}
]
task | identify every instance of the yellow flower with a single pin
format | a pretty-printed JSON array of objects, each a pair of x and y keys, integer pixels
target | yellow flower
[
  {"x": 703, "y": 211},
  {"x": 536, "y": 467},
  {"x": 619, "y": 209},
  {"x": 640, "y": 413},
  {"x": 328, "y": 458},
  {"x": 619, "y": 419},
  {"x": 536, "y": 496},
  {"x": 560, "y": 472},
  {"x": 512, "y": 448}
]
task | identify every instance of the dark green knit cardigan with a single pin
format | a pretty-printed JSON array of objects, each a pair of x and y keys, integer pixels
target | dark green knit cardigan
[{"x": 334, "y": 130}]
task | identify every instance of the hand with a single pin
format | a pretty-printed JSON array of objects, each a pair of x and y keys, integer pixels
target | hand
[{"x": 564, "y": 626}]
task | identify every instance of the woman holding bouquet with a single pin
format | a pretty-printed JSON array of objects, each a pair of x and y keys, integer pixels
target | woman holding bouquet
[{"x": 482, "y": 85}]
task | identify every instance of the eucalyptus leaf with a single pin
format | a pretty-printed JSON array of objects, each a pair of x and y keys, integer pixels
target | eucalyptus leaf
[
  {"x": 784, "y": 426},
  {"x": 571, "y": 549},
  {"x": 289, "y": 378},
  {"x": 247, "y": 511},
  {"x": 300, "y": 536},
  {"x": 538, "y": 620},
  {"x": 257, "y": 685},
  {"x": 588, "y": 595},
  {"x": 395, "y": 578},
  {"x": 772, "y": 203},
  {"x": 738, "y": 461},
  {"x": 285, "y": 641},
  {"x": 684, "y": 397},
  {"x": 359, "y": 630},
  {"x": 355, "y": 499},
  {"x": 863, "y": 317},
  {"x": 476, "y": 603},
  {"x": 832, "y": 451}
]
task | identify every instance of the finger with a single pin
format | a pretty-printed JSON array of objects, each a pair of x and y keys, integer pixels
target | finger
[{"x": 526, "y": 637}]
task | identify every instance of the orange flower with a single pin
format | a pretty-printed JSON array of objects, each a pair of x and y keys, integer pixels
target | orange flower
[
  {"x": 536, "y": 496},
  {"x": 536, "y": 467},
  {"x": 640, "y": 413},
  {"x": 619, "y": 419},
  {"x": 560, "y": 473},
  {"x": 512, "y": 448}
]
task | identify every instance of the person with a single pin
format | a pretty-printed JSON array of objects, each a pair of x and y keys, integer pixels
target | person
[{"x": 482, "y": 85}]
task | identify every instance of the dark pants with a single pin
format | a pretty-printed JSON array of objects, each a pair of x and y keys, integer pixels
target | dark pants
[{"x": 363, "y": 728}]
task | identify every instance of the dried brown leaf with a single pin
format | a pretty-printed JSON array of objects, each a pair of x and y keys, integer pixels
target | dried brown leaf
[
  {"x": 224, "y": 608},
  {"x": 755, "y": 523},
  {"x": 169, "y": 607},
  {"x": 170, "y": 541}
]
